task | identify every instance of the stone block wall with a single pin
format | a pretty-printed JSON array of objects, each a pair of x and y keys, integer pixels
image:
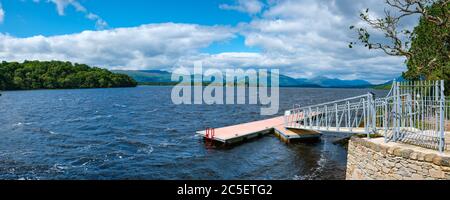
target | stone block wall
[{"x": 372, "y": 159}]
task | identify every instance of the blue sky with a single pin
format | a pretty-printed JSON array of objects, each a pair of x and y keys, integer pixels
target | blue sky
[
  {"x": 26, "y": 18},
  {"x": 303, "y": 38}
]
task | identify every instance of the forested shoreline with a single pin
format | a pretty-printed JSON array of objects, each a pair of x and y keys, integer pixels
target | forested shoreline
[{"x": 31, "y": 75}]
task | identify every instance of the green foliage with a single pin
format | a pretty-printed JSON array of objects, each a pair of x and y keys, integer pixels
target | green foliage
[
  {"x": 58, "y": 75},
  {"x": 431, "y": 48},
  {"x": 387, "y": 86}
]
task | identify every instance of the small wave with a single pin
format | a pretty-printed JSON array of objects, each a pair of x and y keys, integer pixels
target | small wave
[
  {"x": 131, "y": 143},
  {"x": 166, "y": 144},
  {"x": 170, "y": 130},
  {"x": 117, "y": 154},
  {"x": 144, "y": 134},
  {"x": 299, "y": 178},
  {"x": 53, "y": 133},
  {"x": 20, "y": 124},
  {"x": 76, "y": 119},
  {"x": 316, "y": 173},
  {"x": 59, "y": 167},
  {"x": 119, "y": 105},
  {"x": 152, "y": 111},
  {"x": 88, "y": 118},
  {"x": 27, "y": 153},
  {"x": 29, "y": 179},
  {"x": 147, "y": 150},
  {"x": 85, "y": 161},
  {"x": 86, "y": 148},
  {"x": 101, "y": 116},
  {"x": 21, "y": 152},
  {"x": 120, "y": 138}
]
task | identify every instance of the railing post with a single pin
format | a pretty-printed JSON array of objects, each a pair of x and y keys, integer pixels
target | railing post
[
  {"x": 348, "y": 116},
  {"x": 442, "y": 121},
  {"x": 326, "y": 117},
  {"x": 286, "y": 114},
  {"x": 317, "y": 118},
  {"x": 395, "y": 113},
  {"x": 400, "y": 110},
  {"x": 410, "y": 111},
  {"x": 437, "y": 92},
  {"x": 385, "y": 120},
  {"x": 374, "y": 114},
  {"x": 369, "y": 113},
  {"x": 337, "y": 117},
  {"x": 366, "y": 127},
  {"x": 310, "y": 118}
]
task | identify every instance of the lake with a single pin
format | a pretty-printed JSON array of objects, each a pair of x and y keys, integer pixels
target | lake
[{"x": 137, "y": 133}]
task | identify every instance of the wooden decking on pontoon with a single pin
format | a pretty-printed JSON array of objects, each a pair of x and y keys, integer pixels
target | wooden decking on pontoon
[{"x": 246, "y": 131}]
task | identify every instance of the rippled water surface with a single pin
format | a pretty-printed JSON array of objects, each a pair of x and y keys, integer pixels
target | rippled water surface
[{"x": 137, "y": 133}]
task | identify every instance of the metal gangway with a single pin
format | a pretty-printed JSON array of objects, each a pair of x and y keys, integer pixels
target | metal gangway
[{"x": 414, "y": 112}]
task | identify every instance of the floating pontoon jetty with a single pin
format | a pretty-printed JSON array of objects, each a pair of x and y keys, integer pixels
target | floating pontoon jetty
[
  {"x": 416, "y": 113},
  {"x": 243, "y": 132}
]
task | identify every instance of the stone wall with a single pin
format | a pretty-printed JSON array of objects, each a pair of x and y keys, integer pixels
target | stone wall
[{"x": 372, "y": 159}]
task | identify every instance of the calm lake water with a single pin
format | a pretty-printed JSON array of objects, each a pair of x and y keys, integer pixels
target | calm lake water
[{"x": 137, "y": 133}]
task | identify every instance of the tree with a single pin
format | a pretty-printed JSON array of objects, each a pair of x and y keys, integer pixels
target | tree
[
  {"x": 431, "y": 49},
  {"x": 425, "y": 48},
  {"x": 58, "y": 75}
]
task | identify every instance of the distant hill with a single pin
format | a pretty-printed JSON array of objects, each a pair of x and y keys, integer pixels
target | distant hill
[
  {"x": 287, "y": 81},
  {"x": 388, "y": 85},
  {"x": 158, "y": 77},
  {"x": 383, "y": 86},
  {"x": 338, "y": 83},
  {"x": 147, "y": 76}
]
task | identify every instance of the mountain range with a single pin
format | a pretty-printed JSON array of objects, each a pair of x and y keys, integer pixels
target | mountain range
[{"x": 164, "y": 77}]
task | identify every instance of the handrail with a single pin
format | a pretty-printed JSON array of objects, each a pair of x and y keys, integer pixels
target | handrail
[
  {"x": 332, "y": 102},
  {"x": 413, "y": 112},
  {"x": 392, "y": 89}
]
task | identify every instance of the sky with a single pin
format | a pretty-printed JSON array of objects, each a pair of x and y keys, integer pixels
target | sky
[{"x": 302, "y": 38}]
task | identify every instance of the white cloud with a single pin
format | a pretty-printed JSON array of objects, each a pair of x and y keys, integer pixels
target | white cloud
[
  {"x": 304, "y": 38},
  {"x": 2, "y": 14},
  {"x": 310, "y": 38},
  {"x": 147, "y": 46},
  {"x": 61, "y": 6},
  {"x": 246, "y": 6},
  {"x": 99, "y": 22}
]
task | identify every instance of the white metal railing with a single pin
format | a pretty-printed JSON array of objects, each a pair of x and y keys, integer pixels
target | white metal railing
[
  {"x": 418, "y": 114},
  {"x": 413, "y": 112},
  {"x": 346, "y": 114}
]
